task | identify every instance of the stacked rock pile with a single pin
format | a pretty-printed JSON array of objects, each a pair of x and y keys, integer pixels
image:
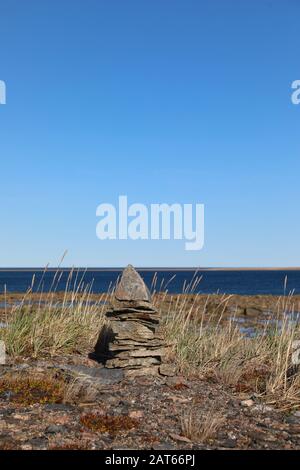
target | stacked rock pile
[{"x": 134, "y": 344}]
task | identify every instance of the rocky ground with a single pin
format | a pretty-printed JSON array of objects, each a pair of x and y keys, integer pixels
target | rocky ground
[
  {"x": 102, "y": 410},
  {"x": 72, "y": 402}
]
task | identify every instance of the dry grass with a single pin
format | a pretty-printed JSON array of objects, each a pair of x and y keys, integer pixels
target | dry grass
[
  {"x": 52, "y": 327},
  {"x": 201, "y": 428},
  {"x": 8, "y": 445},
  {"x": 220, "y": 351},
  {"x": 80, "y": 391}
]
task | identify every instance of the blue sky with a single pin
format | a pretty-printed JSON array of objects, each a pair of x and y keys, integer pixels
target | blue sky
[{"x": 164, "y": 101}]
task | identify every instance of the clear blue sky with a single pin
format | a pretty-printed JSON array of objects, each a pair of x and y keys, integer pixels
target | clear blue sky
[{"x": 166, "y": 101}]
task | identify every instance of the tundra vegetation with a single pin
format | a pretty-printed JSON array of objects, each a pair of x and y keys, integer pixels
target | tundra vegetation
[{"x": 208, "y": 346}]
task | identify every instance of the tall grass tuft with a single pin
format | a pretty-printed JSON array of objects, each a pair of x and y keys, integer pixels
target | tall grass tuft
[
  {"x": 216, "y": 348},
  {"x": 52, "y": 324}
]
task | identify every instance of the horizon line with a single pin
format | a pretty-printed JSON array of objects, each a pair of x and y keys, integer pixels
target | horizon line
[{"x": 154, "y": 268}]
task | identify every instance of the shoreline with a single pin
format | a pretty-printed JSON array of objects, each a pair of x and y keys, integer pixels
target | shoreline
[{"x": 249, "y": 307}]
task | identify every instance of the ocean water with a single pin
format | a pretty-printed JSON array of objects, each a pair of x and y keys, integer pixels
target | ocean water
[{"x": 210, "y": 281}]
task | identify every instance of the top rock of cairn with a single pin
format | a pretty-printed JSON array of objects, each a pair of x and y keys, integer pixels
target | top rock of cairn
[
  {"x": 131, "y": 287},
  {"x": 131, "y": 292}
]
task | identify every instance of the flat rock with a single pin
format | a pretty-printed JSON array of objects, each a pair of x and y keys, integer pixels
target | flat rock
[
  {"x": 142, "y": 372},
  {"x": 131, "y": 330},
  {"x": 143, "y": 352},
  {"x": 138, "y": 305},
  {"x": 157, "y": 340},
  {"x": 101, "y": 375},
  {"x": 132, "y": 362},
  {"x": 123, "y": 345},
  {"x": 133, "y": 315}
]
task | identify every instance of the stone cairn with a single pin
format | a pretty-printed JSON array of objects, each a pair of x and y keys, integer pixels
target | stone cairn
[{"x": 133, "y": 343}]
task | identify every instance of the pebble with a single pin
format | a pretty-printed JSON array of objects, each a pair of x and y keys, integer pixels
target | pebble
[
  {"x": 247, "y": 403},
  {"x": 54, "y": 429},
  {"x": 229, "y": 443}
]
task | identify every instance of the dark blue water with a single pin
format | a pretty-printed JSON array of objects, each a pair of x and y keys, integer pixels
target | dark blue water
[{"x": 229, "y": 282}]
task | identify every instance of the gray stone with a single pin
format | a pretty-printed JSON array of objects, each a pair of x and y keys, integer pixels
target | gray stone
[
  {"x": 133, "y": 305},
  {"x": 229, "y": 443},
  {"x": 100, "y": 375},
  {"x": 168, "y": 370},
  {"x": 131, "y": 330},
  {"x": 155, "y": 342},
  {"x": 132, "y": 287},
  {"x": 132, "y": 362},
  {"x": 143, "y": 352},
  {"x": 292, "y": 420},
  {"x": 133, "y": 314},
  {"x": 56, "y": 428},
  {"x": 38, "y": 443},
  {"x": 123, "y": 345},
  {"x": 144, "y": 371}
]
